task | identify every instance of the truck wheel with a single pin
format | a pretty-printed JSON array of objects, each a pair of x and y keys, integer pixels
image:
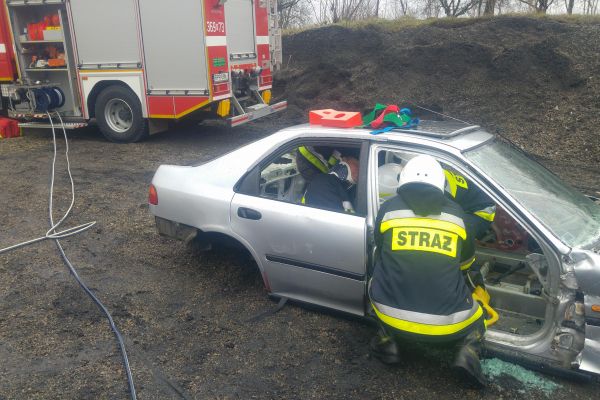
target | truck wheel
[{"x": 119, "y": 115}]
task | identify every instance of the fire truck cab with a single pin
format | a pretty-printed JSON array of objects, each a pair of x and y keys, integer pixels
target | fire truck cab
[{"x": 133, "y": 65}]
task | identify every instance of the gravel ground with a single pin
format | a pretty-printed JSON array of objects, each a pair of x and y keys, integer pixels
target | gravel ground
[{"x": 183, "y": 313}]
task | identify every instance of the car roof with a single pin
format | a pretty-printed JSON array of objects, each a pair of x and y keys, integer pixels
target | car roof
[{"x": 458, "y": 135}]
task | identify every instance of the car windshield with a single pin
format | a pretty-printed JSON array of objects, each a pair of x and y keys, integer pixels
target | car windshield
[{"x": 571, "y": 216}]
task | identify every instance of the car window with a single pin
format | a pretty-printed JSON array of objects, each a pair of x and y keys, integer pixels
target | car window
[
  {"x": 290, "y": 174},
  {"x": 280, "y": 180}
]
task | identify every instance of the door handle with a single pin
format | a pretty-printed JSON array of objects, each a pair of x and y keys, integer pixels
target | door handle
[{"x": 248, "y": 213}]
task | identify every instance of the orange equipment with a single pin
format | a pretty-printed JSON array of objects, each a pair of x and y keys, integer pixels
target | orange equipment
[{"x": 335, "y": 119}]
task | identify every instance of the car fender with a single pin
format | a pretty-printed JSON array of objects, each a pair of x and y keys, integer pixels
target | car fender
[{"x": 586, "y": 266}]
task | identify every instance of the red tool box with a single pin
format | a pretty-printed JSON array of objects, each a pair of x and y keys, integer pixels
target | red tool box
[{"x": 9, "y": 128}]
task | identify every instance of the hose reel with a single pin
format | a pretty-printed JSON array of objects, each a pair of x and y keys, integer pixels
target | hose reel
[{"x": 36, "y": 99}]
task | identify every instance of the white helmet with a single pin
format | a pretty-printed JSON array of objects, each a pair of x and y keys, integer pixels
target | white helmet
[
  {"x": 389, "y": 180},
  {"x": 423, "y": 169}
]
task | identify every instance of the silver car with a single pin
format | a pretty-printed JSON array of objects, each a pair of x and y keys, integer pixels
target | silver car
[{"x": 541, "y": 260}]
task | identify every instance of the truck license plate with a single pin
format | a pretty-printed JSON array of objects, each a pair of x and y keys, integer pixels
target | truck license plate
[{"x": 222, "y": 77}]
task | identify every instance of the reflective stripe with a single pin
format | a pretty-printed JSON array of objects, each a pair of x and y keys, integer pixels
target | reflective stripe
[
  {"x": 315, "y": 159},
  {"x": 454, "y": 182},
  {"x": 428, "y": 319},
  {"x": 410, "y": 214},
  {"x": 488, "y": 213},
  {"x": 424, "y": 223},
  {"x": 467, "y": 264},
  {"x": 398, "y": 214},
  {"x": 425, "y": 328}
]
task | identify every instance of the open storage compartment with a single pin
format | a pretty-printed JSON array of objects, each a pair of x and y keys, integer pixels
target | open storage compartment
[{"x": 44, "y": 52}]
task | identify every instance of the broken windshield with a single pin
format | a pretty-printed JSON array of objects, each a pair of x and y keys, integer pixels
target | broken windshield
[{"x": 571, "y": 216}]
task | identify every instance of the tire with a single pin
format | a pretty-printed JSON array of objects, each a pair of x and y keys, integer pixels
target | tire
[{"x": 119, "y": 115}]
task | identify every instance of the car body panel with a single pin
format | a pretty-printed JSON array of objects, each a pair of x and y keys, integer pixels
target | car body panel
[
  {"x": 307, "y": 254},
  {"x": 587, "y": 272},
  {"x": 590, "y": 355}
]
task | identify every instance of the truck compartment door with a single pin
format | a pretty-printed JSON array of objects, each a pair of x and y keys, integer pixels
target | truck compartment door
[
  {"x": 106, "y": 33},
  {"x": 174, "y": 46},
  {"x": 240, "y": 26}
]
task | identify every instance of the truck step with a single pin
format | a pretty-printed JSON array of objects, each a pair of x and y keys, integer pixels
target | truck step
[
  {"x": 255, "y": 112},
  {"x": 46, "y": 125}
]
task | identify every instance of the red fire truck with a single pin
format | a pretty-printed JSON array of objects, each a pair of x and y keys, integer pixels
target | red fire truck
[{"x": 133, "y": 65}]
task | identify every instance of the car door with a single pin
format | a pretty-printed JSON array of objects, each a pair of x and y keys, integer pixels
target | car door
[{"x": 308, "y": 254}]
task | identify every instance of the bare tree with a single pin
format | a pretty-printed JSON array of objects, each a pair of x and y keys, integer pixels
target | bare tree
[
  {"x": 456, "y": 8},
  {"x": 490, "y": 6},
  {"x": 292, "y": 13},
  {"x": 539, "y": 6},
  {"x": 344, "y": 10},
  {"x": 503, "y": 5},
  {"x": 432, "y": 9},
  {"x": 569, "y": 4},
  {"x": 400, "y": 8},
  {"x": 320, "y": 11},
  {"x": 590, "y": 7},
  {"x": 333, "y": 11}
]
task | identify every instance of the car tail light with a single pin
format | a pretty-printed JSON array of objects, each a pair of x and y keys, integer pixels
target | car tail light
[{"x": 153, "y": 196}]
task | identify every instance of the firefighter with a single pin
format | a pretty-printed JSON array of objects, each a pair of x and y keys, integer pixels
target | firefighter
[
  {"x": 417, "y": 290},
  {"x": 479, "y": 209},
  {"x": 331, "y": 191}
]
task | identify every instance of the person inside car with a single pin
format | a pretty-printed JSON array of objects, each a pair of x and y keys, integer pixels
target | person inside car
[
  {"x": 331, "y": 191},
  {"x": 417, "y": 290},
  {"x": 312, "y": 161}
]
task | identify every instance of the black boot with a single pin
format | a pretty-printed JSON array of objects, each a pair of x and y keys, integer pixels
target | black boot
[
  {"x": 384, "y": 348},
  {"x": 467, "y": 360}
]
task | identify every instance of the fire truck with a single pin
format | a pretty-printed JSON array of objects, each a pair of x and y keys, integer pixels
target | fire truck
[{"x": 134, "y": 65}]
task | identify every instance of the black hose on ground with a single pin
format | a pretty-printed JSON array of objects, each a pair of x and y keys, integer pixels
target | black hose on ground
[{"x": 70, "y": 266}]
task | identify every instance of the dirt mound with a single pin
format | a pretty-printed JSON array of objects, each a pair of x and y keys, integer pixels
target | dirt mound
[{"x": 534, "y": 80}]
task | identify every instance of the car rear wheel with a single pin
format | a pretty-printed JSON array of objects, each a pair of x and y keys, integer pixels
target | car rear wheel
[{"x": 119, "y": 115}]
